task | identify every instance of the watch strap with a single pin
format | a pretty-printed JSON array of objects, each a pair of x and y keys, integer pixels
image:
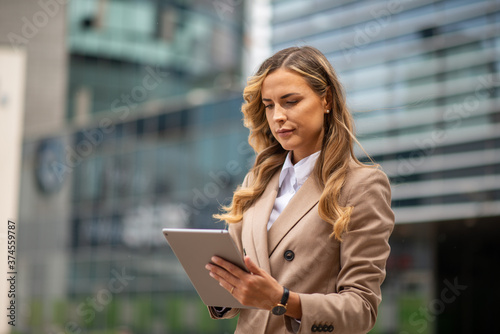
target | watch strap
[{"x": 284, "y": 298}]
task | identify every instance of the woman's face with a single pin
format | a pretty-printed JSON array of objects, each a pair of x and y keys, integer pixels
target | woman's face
[{"x": 294, "y": 112}]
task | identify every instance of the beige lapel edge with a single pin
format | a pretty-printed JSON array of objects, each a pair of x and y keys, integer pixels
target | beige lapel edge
[
  {"x": 300, "y": 204},
  {"x": 259, "y": 218}
]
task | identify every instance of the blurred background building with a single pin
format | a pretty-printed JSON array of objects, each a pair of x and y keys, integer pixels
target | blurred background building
[{"x": 132, "y": 123}]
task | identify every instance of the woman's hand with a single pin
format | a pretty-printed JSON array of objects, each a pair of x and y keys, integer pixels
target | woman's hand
[{"x": 257, "y": 288}]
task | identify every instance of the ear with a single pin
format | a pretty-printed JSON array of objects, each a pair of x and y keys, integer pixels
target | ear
[{"x": 328, "y": 99}]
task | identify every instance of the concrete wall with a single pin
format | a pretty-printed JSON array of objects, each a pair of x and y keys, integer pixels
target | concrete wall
[
  {"x": 38, "y": 28},
  {"x": 12, "y": 82}
]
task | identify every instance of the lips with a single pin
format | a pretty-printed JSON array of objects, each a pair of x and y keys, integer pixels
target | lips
[{"x": 283, "y": 133}]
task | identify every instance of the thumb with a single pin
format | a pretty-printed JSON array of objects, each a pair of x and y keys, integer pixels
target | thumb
[{"x": 254, "y": 269}]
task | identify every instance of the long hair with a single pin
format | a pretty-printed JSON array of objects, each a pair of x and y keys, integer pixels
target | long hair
[{"x": 337, "y": 146}]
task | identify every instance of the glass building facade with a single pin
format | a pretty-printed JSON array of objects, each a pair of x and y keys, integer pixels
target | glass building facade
[
  {"x": 114, "y": 45},
  {"x": 168, "y": 170},
  {"x": 422, "y": 80},
  {"x": 153, "y": 138}
]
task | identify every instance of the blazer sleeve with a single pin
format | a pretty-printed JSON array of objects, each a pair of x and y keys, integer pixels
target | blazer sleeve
[
  {"x": 235, "y": 231},
  {"x": 363, "y": 255}
]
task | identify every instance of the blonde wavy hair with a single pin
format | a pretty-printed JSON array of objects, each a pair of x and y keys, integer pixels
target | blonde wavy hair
[{"x": 337, "y": 146}]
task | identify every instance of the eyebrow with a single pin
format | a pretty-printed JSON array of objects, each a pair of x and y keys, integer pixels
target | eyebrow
[{"x": 283, "y": 97}]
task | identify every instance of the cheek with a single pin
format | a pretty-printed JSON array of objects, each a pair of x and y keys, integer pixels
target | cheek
[
  {"x": 315, "y": 124},
  {"x": 268, "y": 117},
  {"x": 270, "y": 122},
  {"x": 315, "y": 130}
]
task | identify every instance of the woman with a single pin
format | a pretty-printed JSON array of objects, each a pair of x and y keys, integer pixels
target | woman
[{"x": 313, "y": 221}]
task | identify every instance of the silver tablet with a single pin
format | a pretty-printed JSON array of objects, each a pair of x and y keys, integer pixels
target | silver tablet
[{"x": 194, "y": 249}]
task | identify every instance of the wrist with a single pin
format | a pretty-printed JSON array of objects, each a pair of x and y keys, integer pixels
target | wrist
[
  {"x": 280, "y": 308},
  {"x": 294, "y": 308}
]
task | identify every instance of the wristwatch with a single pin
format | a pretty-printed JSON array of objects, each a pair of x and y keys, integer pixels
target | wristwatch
[{"x": 280, "y": 308}]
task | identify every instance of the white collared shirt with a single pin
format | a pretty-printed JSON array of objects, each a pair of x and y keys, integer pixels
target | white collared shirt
[{"x": 292, "y": 177}]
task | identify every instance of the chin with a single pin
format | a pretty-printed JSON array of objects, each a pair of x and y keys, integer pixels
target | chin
[{"x": 286, "y": 147}]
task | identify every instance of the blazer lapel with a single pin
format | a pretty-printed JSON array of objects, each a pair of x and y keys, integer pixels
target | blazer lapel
[
  {"x": 300, "y": 204},
  {"x": 260, "y": 216}
]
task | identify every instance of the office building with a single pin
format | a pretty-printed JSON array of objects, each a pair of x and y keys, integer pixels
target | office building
[{"x": 142, "y": 130}]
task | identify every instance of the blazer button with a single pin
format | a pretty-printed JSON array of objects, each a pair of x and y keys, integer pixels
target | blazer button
[
  {"x": 289, "y": 255},
  {"x": 330, "y": 328},
  {"x": 314, "y": 328}
]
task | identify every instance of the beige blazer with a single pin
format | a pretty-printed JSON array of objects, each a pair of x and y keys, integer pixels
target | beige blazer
[{"x": 338, "y": 282}]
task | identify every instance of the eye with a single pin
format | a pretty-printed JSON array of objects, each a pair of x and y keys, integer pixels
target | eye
[
  {"x": 268, "y": 106},
  {"x": 291, "y": 102}
]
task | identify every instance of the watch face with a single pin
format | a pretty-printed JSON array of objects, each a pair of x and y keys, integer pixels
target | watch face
[{"x": 279, "y": 310}]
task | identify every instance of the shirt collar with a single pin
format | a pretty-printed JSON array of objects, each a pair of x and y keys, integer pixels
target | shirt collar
[{"x": 301, "y": 169}]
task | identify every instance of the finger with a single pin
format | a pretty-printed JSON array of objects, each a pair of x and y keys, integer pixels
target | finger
[
  {"x": 228, "y": 266},
  {"x": 223, "y": 283},
  {"x": 227, "y": 286},
  {"x": 221, "y": 274},
  {"x": 230, "y": 287},
  {"x": 217, "y": 277}
]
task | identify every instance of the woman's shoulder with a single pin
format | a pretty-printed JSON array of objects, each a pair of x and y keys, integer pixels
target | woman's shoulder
[
  {"x": 248, "y": 180},
  {"x": 359, "y": 175},
  {"x": 357, "y": 171}
]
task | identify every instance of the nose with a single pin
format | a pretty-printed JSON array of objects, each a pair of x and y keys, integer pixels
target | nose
[{"x": 279, "y": 115}]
